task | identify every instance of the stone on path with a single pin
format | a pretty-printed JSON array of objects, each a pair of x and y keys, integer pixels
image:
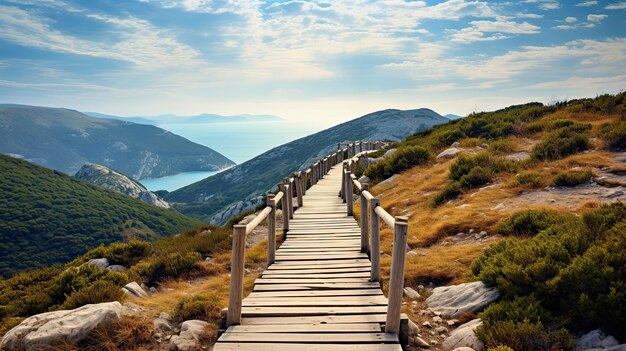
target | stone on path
[{"x": 455, "y": 300}]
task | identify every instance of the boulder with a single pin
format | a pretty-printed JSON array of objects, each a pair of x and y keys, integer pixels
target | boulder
[
  {"x": 464, "y": 349},
  {"x": 163, "y": 325},
  {"x": 364, "y": 179},
  {"x": 518, "y": 156},
  {"x": 453, "y": 301},
  {"x": 389, "y": 153},
  {"x": 190, "y": 333},
  {"x": 595, "y": 340},
  {"x": 116, "y": 268},
  {"x": 464, "y": 336},
  {"x": 101, "y": 263},
  {"x": 449, "y": 153},
  {"x": 411, "y": 293},
  {"x": 133, "y": 289},
  {"x": 51, "y": 327}
]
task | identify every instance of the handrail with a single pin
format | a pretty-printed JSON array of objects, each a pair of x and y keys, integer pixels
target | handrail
[
  {"x": 298, "y": 182},
  {"x": 385, "y": 216}
]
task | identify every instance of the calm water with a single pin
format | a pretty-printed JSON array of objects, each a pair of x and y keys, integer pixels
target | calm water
[{"x": 237, "y": 141}]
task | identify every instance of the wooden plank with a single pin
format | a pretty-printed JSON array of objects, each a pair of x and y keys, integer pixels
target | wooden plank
[
  {"x": 342, "y": 319},
  {"x": 365, "y": 274},
  {"x": 309, "y": 311},
  {"x": 315, "y": 286},
  {"x": 281, "y": 257},
  {"x": 310, "y": 280},
  {"x": 328, "y": 338},
  {"x": 227, "y": 346},
  {"x": 317, "y": 264},
  {"x": 310, "y": 270},
  {"x": 317, "y": 293},
  {"x": 308, "y": 328},
  {"x": 317, "y": 302}
]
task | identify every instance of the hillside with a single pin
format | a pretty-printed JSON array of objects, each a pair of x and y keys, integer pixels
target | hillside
[
  {"x": 64, "y": 140},
  {"x": 47, "y": 217},
  {"x": 233, "y": 191},
  {"x": 108, "y": 178}
]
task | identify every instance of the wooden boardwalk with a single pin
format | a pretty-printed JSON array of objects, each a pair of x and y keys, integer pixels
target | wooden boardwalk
[{"x": 317, "y": 295}]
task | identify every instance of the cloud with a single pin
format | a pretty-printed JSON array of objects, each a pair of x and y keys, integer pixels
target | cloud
[
  {"x": 586, "y": 4},
  {"x": 596, "y": 18},
  {"x": 528, "y": 15},
  {"x": 564, "y": 27},
  {"x": 140, "y": 42},
  {"x": 571, "y": 19},
  {"x": 478, "y": 30},
  {"x": 544, "y": 4},
  {"x": 616, "y": 6}
]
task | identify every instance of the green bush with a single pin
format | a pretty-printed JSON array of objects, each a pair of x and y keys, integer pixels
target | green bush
[
  {"x": 524, "y": 336},
  {"x": 500, "y": 348},
  {"x": 614, "y": 135},
  {"x": 464, "y": 164},
  {"x": 530, "y": 222},
  {"x": 403, "y": 159},
  {"x": 204, "y": 307},
  {"x": 550, "y": 125},
  {"x": 574, "y": 268},
  {"x": 451, "y": 191},
  {"x": 530, "y": 179},
  {"x": 125, "y": 254},
  {"x": 476, "y": 177},
  {"x": 572, "y": 178},
  {"x": 561, "y": 143},
  {"x": 99, "y": 291}
]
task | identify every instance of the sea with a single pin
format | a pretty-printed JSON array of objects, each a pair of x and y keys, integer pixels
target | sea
[{"x": 239, "y": 142}]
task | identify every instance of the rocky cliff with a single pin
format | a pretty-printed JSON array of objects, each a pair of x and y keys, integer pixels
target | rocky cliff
[{"x": 116, "y": 181}]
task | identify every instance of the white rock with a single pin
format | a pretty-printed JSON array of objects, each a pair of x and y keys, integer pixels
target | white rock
[
  {"x": 518, "y": 156},
  {"x": 364, "y": 179},
  {"x": 116, "y": 268},
  {"x": 464, "y": 336},
  {"x": 389, "y": 153},
  {"x": 190, "y": 333},
  {"x": 411, "y": 293},
  {"x": 453, "y": 301},
  {"x": 413, "y": 329},
  {"x": 449, "y": 153},
  {"x": 71, "y": 325},
  {"x": 417, "y": 341},
  {"x": 456, "y": 144},
  {"x": 101, "y": 263},
  {"x": 464, "y": 349},
  {"x": 595, "y": 339},
  {"x": 134, "y": 289}
]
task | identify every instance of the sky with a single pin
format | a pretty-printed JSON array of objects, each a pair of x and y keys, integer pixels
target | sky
[{"x": 317, "y": 61}]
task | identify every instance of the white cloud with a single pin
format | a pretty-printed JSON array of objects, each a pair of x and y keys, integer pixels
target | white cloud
[
  {"x": 141, "y": 43},
  {"x": 596, "y": 18},
  {"x": 616, "y": 6},
  {"x": 528, "y": 15},
  {"x": 587, "y": 4},
  {"x": 564, "y": 27},
  {"x": 545, "y": 4},
  {"x": 571, "y": 19},
  {"x": 478, "y": 29}
]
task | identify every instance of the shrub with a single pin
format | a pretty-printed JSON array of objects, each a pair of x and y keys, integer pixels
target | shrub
[
  {"x": 477, "y": 176},
  {"x": 572, "y": 178},
  {"x": 614, "y": 135},
  {"x": 204, "y": 307},
  {"x": 464, "y": 164},
  {"x": 524, "y": 336},
  {"x": 561, "y": 143},
  {"x": 451, "y": 191},
  {"x": 574, "y": 268},
  {"x": 99, "y": 291},
  {"x": 500, "y": 146},
  {"x": 125, "y": 254},
  {"x": 529, "y": 222},
  {"x": 500, "y": 348},
  {"x": 128, "y": 333},
  {"x": 530, "y": 179},
  {"x": 403, "y": 159}
]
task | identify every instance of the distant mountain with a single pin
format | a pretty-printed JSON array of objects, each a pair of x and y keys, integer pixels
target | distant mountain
[
  {"x": 64, "y": 140},
  {"x": 47, "y": 217},
  {"x": 202, "y": 118},
  {"x": 228, "y": 193},
  {"x": 110, "y": 179},
  {"x": 452, "y": 117}
]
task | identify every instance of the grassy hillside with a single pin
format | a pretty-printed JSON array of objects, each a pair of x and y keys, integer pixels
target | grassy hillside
[
  {"x": 64, "y": 140},
  {"x": 257, "y": 176},
  {"x": 545, "y": 184},
  {"x": 47, "y": 217}
]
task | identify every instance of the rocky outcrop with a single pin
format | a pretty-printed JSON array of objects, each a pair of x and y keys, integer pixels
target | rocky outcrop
[
  {"x": 101, "y": 263},
  {"x": 71, "y": 325},
  {"x": 453, "y": 301},
  {"x": 449, "y": 153},
  {"x": 190, "y": 334},
  {"x": 116, "y": 181},
  {"x": 464, "y": 336},
  {"x": 134, "y": 289},
  {"x": 597, "y": 340}
]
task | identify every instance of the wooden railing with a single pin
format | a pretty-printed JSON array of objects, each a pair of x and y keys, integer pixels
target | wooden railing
[
  {"x": 296, "y": 185},
  {"x": 371, "y": 214}
]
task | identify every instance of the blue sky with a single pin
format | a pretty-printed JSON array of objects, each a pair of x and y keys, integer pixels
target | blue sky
[{"x": 317, "y": 61}]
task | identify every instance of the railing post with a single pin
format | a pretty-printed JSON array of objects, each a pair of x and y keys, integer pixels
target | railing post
[
  {"x": 360, "y": 146},
  {"x": 353, "y": 149},
  {"x": 236, "y": 275},
  {"x": 396, "y": 280},
  {"x": 364, "y": 221},
  {"x": 271, "y": 230},
  {"x": 298, "y": 183},
  {"x": 345, "y": 184},
  {"x": 374, "y": 241},
  {"x": 303, "y": 181},
  {"x": 284, "y": 205},
  {"x": 289, "y": 197},
  {"x": 349, "y": 193}
]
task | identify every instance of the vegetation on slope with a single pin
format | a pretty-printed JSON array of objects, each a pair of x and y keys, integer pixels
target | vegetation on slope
[{"x": 47, "y": 217}]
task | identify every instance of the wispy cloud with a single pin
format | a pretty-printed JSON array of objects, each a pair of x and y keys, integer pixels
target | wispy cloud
[
  {"x": 544, "y": 4},
  {"x": 481, "y": 31},
  {"x": 587, "y": 4},
  {"x": 616, "y": 6},
  {"x": 596, "y": 18}
]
